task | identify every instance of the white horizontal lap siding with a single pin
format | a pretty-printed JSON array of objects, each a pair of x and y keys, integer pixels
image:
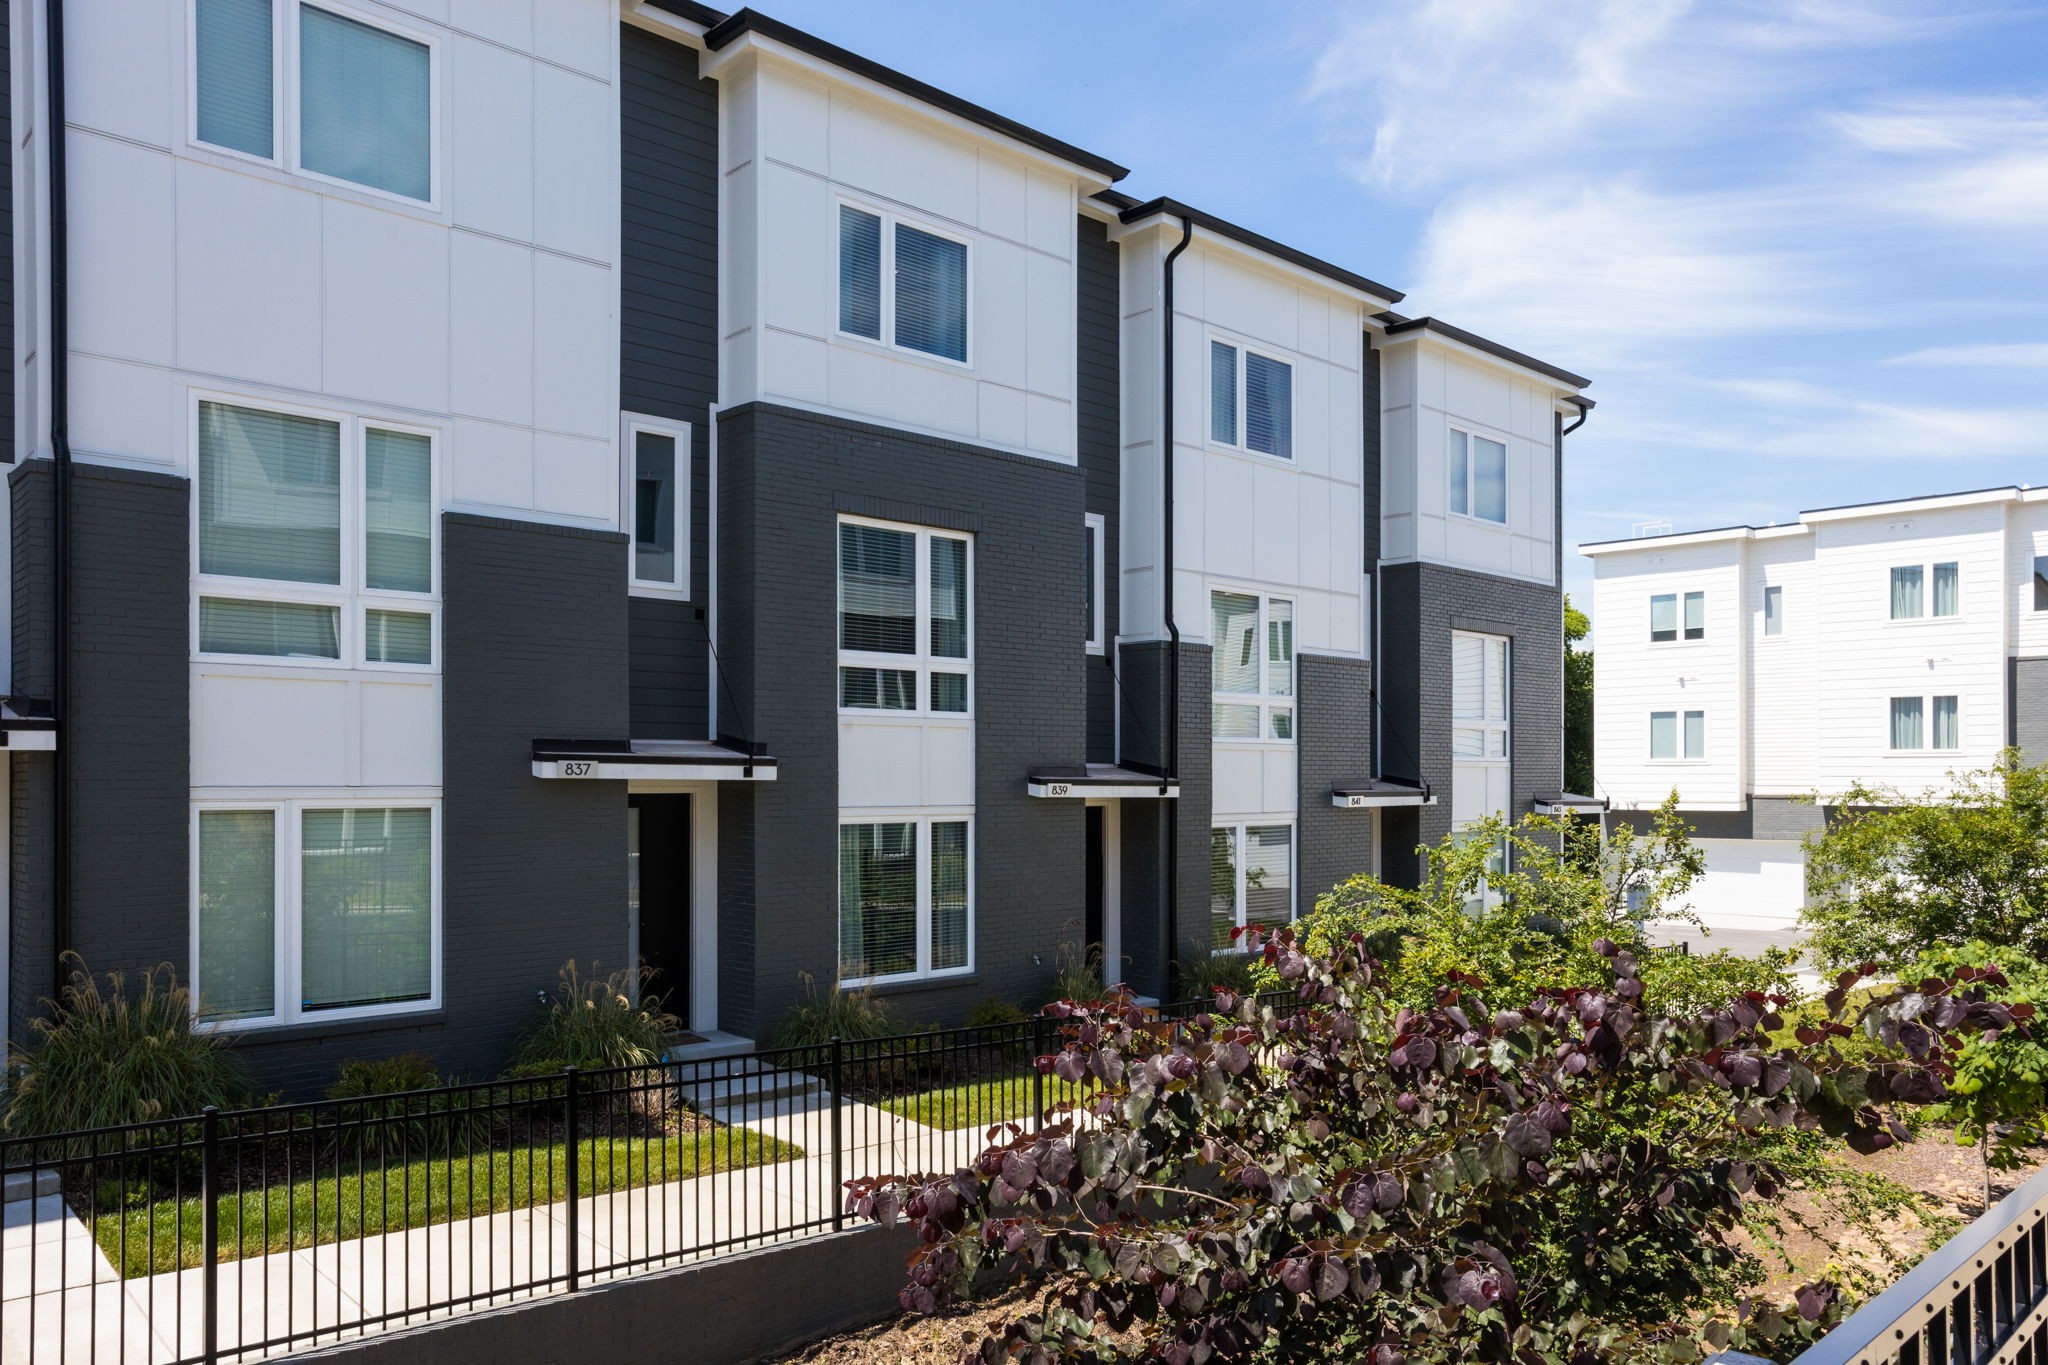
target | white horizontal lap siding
[
  {"x": 1292, "y": 527},
  {"x": 1636, "y": 677},
  {"x": 1865, "y": 658},
  {"x": 488, "y": 314},
  {"x": 1783, "y": 685},
  {"x": 796, "y": 148},
  {"x": 2027, "y": 537}
]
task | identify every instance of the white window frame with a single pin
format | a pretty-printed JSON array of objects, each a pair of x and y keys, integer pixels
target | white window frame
[
  {"x": 352, "y": 596},
  {"x": 1764, "y": 631},
  {"x": 1679, "y": 597},
  {"x": 1243, "y": 348},
  {"x": 923, "y": 817},
  {"x": 1265, "y": 699},
  {"x": 631, "y": 424},
  {"x": 2033, "y": 587},
  {"x": 1237, "y": 830},
  {"x": 1507, "y": 492},
  {"x": 285, "y": 118},
  {"x": 1488, "y": 728},
  {"x": 1098, "y": 538},
  {"x": 287, "y": 856},
  {"x": 1678, "y": 715},
  {"x": 1926, "y": 700},
  {"x": 1927, "y": 613},
  {"x": 887, "y": 341},
  {"x": 923, "y": 662}
]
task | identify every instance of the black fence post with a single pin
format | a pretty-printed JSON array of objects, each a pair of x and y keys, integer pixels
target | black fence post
[
  {"x": 838, "y": 1133},
  {"x": 1037, "y": 1041},
  {"x": 570, "y": 1164},
  {"x": 209, "y": 1231}
]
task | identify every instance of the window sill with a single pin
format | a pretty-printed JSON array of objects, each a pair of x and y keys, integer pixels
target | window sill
[
  {"x": 891, "y": 351},
  {"x": 252, "y": 1035}
]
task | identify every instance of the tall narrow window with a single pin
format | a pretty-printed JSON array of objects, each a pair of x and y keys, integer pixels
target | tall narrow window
[
  {"x": 1663, "y": 618},
  {"x": 1663, "y": 734},
  {"x": 905, "y": 899},
  {"x": 1774, "y": 609},
  {"x": 235, "y": 72},
  {"x": 1695, "y": 734},
  {"x": 860, "y": 273},
  {"x": 1251, "y": 880},
  {"x": 924, "y": 306},
  {"x": 657, "y": 508},
  {"x": 1251, "y": 400},
  {"x": 905, "y": 623},
  {"x": 1478, "y": 469},
  {"x": 1094, "y": 533},
  {"x": 2041, "y": 582},
  {"x": 365, "y": 104},
  {"x": 1908, "y": 715},
  {"x": 1251, "y": 665},
  {"x": 1479, "y": 696},
  {"x": 1907, "y": 598},
  {"x": 1948, "y": 733},
  {"x": 237, "y": 913},
  {"x": 1695, "y": 616},
  {"x": 1947, "y": 589},
  {"x": 1223, "y": 393}
]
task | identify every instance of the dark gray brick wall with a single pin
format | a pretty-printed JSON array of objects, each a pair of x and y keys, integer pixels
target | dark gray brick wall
[
  {"x": 1333, "y": 744},
  {"x": 1776, "y": 817},
  {"x": 1421, "y": 605},
  {"x": 668, "y": 338},
  {"x": 750, "y": 1306},
  {"x": 32, "y": 939},
  {"x": 787, "y": 477},
  {"x": 1766, "y": 817},
  {"x": 533, "y": 871},
  {"x": 1153, "y": 941},
  {"x": 2027, "y": 723},
  {"x": 31, "y": 558},
  {"x": 1099, "y": 325}
]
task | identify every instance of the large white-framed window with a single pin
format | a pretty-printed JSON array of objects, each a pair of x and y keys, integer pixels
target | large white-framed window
[
  {"x": 655, "y": 503},
  {"x": 1921, "y": 591},
  {"x": 906, "y": 896},
  {"x": 1251, "y": 665},
  {"x": 1479, "y": 696},
  {"x": 316, "y": 537},
  {"x": 905, "y": 283},
  {"x": 1924, "y": 722},
  {"x": 906, "y": 629},
  {"x": 1665, "y": 616},
  {"x": 1477, "y": 467},
  {"x": 1095, "y": 533},
  {"x": 1251, "y": 399},
  {"x": 328, "y": 90},
  {"x": 1251, "y": 880},
  {"x": 1678, "y": 735},
  {"x": 322, "y": 907}
]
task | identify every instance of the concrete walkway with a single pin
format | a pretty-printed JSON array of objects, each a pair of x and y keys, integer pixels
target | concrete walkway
[
  {"x": 61, "y": 1300},
  {"x": 1747, "y": 942}
]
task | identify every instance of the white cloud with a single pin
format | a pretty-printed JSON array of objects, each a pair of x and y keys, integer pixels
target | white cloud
[
  {"x": 1971, "y": 161},
  {"x": 2013, "y": 355}
]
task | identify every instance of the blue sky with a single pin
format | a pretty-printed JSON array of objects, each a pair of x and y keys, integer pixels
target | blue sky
[{"x": 1801, "y": 246}]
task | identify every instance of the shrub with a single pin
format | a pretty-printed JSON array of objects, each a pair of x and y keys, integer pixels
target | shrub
[
  {"x": 1996, "y": 1099},
  {"x": 397, "y": 1107},
  {"x": 595, "y": 1023},
  {"x": 855, "y": 1015},
  {"x": 1356, "y": 1179},
  {"x": 995, "y": 1012},
  {"x": 104, "y": 1057},
  {"x": 1199, "y": 978},
  {"x": 1077, "y": 973},
  {"x": 361, "y": 1078}
]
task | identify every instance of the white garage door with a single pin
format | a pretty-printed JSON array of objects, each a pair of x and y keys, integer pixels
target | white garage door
[{"x": 1750, "y": 884}]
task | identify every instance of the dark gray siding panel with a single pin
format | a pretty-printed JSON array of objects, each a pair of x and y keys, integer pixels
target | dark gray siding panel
[
  {"x": 1333, "y": 744},
  {"x": 790, "y": 474},
  {"x": 1153, "y": 941},
  {"x": 668, "y": 337},
  {"x": 6, "y": 238},
  {"x": 2029, "y": 705},
  {"x": 1099, "y": 416}
]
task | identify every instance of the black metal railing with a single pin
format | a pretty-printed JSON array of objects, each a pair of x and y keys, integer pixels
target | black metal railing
[{"x": 235, "y": 1236}]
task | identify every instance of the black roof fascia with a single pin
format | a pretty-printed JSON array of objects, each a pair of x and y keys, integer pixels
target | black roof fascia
[
  {"x": 1395, "y": 323},
  {"x": 690, "y": 10},
  {"x": 742, "y": 22},
  {"x": 1259, "y": 242}
]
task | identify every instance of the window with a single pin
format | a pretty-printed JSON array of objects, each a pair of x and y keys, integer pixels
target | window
[
  {"x": 1774, "y": 609},
  {"x": 1251, "y": 880},
  {"x": 924, "y": 309},
  {"x": 305, "y": 909},
  {"x": 1663, "y": 618},
  {"x": 1094, "y": 531},
  {"x": 1479, "y": 477},
  {"x": 316, "y": 538},
  {"x": 1695, "y": 616},
  {"x": 1909, "y": 730},
  {"x": 2041, "y": 582},
  {"x": 657, "y": 502},
  {"x": 1251, "y": 666},
  {"x": 1675, "y": 734},
  {"x": 364, "y": 107},
  {"x": 905, "y": 899},
  {"x": 1251, "y": 400},
  {"x": 1479, "y": 696},
  {"x": 903, "y": 620},
  {"x": 1909, "y": 597}
]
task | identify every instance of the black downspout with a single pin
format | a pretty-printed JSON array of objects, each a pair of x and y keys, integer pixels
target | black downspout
[
  {"x": 1583, "y": 414},
  {"x": 60, "y": 446},
  {"x": 1172, "y": 916}
]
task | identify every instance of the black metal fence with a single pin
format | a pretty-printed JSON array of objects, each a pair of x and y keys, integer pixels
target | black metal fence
[{"x": 234, "y": 1236}]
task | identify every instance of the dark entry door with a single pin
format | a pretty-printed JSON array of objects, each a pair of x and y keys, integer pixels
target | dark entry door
[
  {"x": 664, "y": 858},
  {"x": 1093, "y": 926}
]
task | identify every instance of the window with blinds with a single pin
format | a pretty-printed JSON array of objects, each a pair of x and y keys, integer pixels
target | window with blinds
[
  {"x": 1251, "y": 665},
  {"x": 902, "y": 284},
  {"x": 905, "y": 899},
  {"x": 905, "y": 623},
  {"x": 1251, "y": 400},
  {"x": 310, "y": 909},
  {"x": 235, "y": 75},
  {"x": 1479, "y": 697},
  {"x": 1094, "y": 530},
  {"x": 316, "y": 538},
  {"x": 1251, "y": 880}
]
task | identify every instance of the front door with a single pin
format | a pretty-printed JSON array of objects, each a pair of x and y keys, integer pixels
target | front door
[
  {"x": 658, "y": 906},
  {"x": 1093, "y": 926}
]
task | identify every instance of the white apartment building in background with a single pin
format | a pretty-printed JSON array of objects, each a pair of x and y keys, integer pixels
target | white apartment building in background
[{"x": 1754, "y": 669}]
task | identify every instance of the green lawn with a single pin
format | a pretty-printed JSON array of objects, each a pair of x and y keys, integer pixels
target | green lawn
[
  {"x": 417, "y": 1194},
  {"x": 975, "y": 1104}
]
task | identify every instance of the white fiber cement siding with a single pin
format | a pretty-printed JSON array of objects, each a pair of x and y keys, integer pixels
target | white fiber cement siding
[{"x": 1783, "y": 741}]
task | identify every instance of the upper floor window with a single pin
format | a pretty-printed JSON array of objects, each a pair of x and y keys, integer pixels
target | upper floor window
[
  {"x": 1094, "y": 529},
  {"x": 1909, "y": 600},
  {"x": 924, "y": 306},
  {"x": 1251, "y": 400},
  {"x": 1479, "y": 696},
  {"x": 1251, "y": 666},
  {"x": 904, "y": 631},
  {"x": 316, "y": 538},
  {"x": 364, "y": 94},
  {"x": 1678, "y": 735},
  {"x": 1774, "y": 609},
  {"x": 1664, "y": 617},
  {"x": 657, "y": 510},
  {"x": 1909, "y": 728},
  {"x": 1479, "y": 477},
  {"x": 2041, "y": 582}
]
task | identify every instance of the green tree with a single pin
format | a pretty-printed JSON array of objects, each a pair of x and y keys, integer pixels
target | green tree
[
  {"x": 1894, "y": 875},
  {"x": 1578, "y": 702}
]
